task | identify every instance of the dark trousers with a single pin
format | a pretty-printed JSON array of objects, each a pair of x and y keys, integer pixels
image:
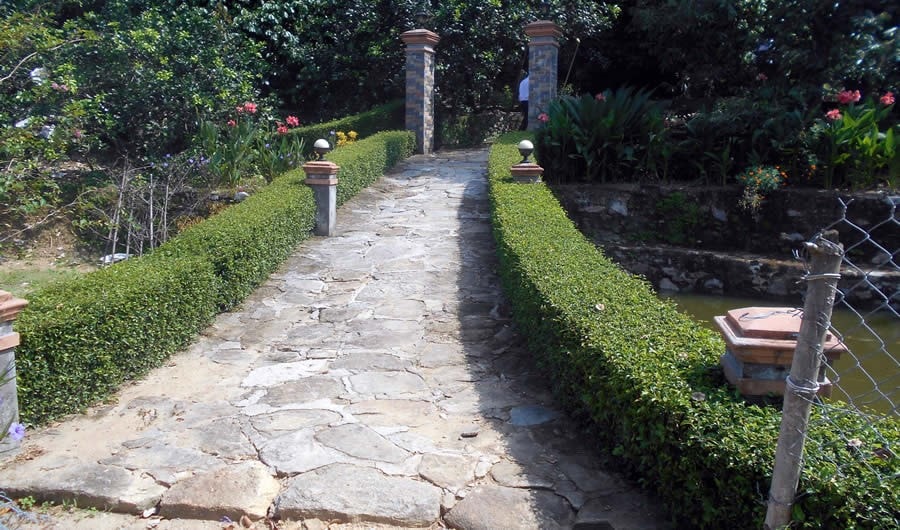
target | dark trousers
[{"x": 523, "y": 106}]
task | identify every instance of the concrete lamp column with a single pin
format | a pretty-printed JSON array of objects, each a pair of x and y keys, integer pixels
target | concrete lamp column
[
  {"x": 543, "y": 53},
  {"x": 9, "y": 403},
  {"x": 321, "y": 176},
  {"x": 420, "y": 45},
  {"x": 526, "y": 172}
]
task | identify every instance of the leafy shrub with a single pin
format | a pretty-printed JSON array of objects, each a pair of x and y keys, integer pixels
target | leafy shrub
[
  {"x": 857, "y": 144},
  {"x": 615, "y": 135},
  {"x": 644, "y": 373},
  {"x": 83, "y": 337}
]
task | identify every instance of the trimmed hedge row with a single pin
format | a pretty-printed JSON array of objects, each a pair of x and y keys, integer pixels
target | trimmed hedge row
[
  {"x": 83, "y": 337},
  {"x": 647, "y": 377},
  {"x": 389, "y": 116}
]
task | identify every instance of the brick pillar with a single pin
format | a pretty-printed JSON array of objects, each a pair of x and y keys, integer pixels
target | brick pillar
[
  {"x": 321, "y": 176},
  {"x": 543, "y": 53},
  {"x": 9, "y": 402},
  {"x": 420, "y": 45}
]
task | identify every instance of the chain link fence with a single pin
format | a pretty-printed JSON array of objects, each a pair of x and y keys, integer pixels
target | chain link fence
[{"x": 851, "y": 295}]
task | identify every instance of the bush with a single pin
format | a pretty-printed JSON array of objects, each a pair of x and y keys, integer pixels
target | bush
[
  {"x": 600, "y": 137},
  {"x": 83, "y": 337},
  {"x": 648, "y": 378}
]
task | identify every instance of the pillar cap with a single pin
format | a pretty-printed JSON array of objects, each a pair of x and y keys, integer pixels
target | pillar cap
[
  {"x": 10, "y": 306},
  {"x": 543, "y": 28},
  {"x": 420, "y": 36},
  {"x": 320, "y": 167},
  {"x": 527, "y": 172}
]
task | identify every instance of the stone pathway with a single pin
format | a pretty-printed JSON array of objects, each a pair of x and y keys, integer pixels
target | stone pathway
[{"x": 374, "y": 381}]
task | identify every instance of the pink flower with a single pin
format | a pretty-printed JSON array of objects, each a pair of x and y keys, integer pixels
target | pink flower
[
  {"x": 76, "y": 133},
  {"x": 250, "y": 107},
  {"x": 282, "y": 129},
  {"x": 762, "y": 77},
  {"x": 239, "y": 109},
  {"x": 833, "y": 114},
  {"x": 292, "y": 121},
  {"x": 231, "y": 123},
  {"x": 600, "y": 96},
  {"x": 848, "y": 97},
  {"x": 543, "y": 118},
  {"x": 887, "y": 99}
]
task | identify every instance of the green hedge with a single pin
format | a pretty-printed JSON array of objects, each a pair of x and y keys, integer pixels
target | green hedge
[
  {"x": 82, "y": 337},
  {"x": 647, "y": 376},
  {"x": 389, "y": 116}
]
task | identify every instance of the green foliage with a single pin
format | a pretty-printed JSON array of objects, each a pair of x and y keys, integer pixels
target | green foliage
[
  {"x": 757, "y": 181},
  {"x": 247, "y": 144},
  {"x": 644, "y": 373},
  {"x": 83, "y": 337},
  {"x": 857, "y": 145},
  {"x": 156, "y": 70},
  {"x": 614, "y": 135}
]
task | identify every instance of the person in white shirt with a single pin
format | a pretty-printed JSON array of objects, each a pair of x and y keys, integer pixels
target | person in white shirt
[{"x": 523, "y": 102}]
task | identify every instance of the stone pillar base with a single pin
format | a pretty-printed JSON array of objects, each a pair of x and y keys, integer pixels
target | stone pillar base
[
  {"x": 526, "y": 173},
  {"x": 9, "y": 402},
  {"x": 321, "y": 176}
]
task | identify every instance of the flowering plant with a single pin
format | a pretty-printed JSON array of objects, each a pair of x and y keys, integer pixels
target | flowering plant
[
  {"x": 247, "y": 144},
  {"x": 855, "y": 142},
  {"x": 345, "y": 138},
  {"x": 757, "y": 181}
]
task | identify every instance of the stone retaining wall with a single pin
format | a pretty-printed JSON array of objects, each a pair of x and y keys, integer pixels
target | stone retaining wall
[{"x": 701, "y": 240}]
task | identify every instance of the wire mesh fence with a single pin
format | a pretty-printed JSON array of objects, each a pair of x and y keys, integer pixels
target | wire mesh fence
[{"x": 841, "y": 404}]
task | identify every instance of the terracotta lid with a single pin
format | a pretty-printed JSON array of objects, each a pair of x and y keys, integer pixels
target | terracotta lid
[{"x": 779, "y": 323}]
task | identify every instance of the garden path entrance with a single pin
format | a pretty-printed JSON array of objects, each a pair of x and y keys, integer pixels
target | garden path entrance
[{"x": 375, "y": 378}]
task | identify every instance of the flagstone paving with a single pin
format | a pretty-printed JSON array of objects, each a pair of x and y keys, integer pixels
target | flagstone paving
[{"x": 374, "y": 381}]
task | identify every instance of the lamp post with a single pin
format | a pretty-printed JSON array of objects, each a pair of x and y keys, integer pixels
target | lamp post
[
  {"x": 526, "y": 172},
  {"x": 321, "y": 176},
  {"x": 321, "y": 148}
]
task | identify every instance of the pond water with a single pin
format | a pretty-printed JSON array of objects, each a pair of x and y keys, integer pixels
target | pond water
[{"x": 868, "y": 375}]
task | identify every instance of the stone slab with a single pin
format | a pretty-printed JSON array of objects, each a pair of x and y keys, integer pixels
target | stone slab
[
  {"x": 233, "y": 491},
  {"x": 346, "y": 494},
  {"x": 499, "y": 508},
  {"x": 361, "y": 442}
]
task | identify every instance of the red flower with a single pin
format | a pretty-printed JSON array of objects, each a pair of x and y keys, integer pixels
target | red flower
[
  {"x": 292, "y": 121},
  {"x": 762, "y": 77},
  {"x": 887, "y": 99},
  {"x": 833, "y": 114},
  {"x": 848, "y": 97},
  {"x": 231, "y": 123},
  {"x": 282, "y": 129},
  {"x": 250, "y": 107},
  {"x": 600, "y": 96},
  {"x": 543, "y": 118}
]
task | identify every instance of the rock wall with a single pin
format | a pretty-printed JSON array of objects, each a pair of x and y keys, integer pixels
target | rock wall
[{"x": 701, "y": 239}]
